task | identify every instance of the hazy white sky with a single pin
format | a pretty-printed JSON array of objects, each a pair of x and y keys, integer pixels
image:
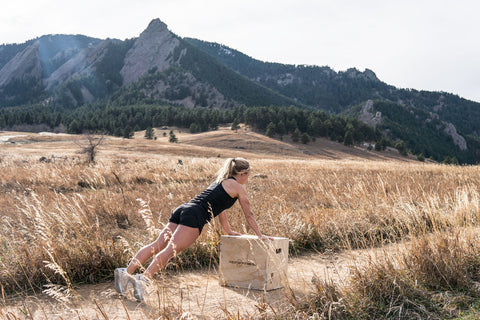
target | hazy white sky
[{"x": 421, "y": 44}]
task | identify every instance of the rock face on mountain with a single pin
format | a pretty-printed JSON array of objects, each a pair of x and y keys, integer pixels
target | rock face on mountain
[
  {"x": 457, "y": 139},
  {"x": 368, "y": 74},
  {"x": 153, "y": 49},
  {"x": 368, "y": 116},
  {"x": 56, "y": 60},
  {"x": 25, "y": 65},
  {"x": 81, "y": 65},
  {"x": 158, "y": 65}
]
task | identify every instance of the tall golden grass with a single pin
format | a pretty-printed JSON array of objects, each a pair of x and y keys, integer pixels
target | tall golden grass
[{"x": 67, "y": 223}]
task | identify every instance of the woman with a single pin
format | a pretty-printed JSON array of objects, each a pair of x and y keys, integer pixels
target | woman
[{"x": 186, "y": 224}]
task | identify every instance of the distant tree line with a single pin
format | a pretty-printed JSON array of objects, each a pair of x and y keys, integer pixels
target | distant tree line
[{"x": 301, "y": 124}]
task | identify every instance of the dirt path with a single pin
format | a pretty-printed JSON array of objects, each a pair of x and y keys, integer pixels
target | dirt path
[{"x": 193, "y": 294}]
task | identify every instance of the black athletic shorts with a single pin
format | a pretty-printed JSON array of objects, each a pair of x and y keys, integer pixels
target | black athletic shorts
[{"x": 190, "y": 215}]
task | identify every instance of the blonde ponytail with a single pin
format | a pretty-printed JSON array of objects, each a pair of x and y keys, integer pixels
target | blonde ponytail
[{"x": 231, "y": 167}]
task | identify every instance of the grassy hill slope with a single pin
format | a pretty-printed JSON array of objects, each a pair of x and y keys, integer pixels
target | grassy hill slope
[{"x": 223, "y": 142}]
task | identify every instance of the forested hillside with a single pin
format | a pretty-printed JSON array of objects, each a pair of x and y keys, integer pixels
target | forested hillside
[
  {"x": 320, "y": 87},
  {"x": 344, "y": 92},
  {"x": 423, "y": 132}
]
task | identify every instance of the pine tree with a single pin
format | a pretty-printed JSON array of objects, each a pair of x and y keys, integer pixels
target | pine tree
[
  {"x": 296, "y": 135},
  {"x": 305, "y": 138},
  {"x": 149, "y": 133},
  {"x": 450, "y": 160},
  {"x": 195, "y": 128},
  {"x": 280, "y": 128},
  {"x": 401, "y": 146},
  {"x": 270, "y": 130},
  {"x": 173, "y": 138},
  {"x": 128, "y": 132},
  {"x": 74, "y": 127},
  {"x": 348, "y": 139},
  {"x": 235, "y": 125}
]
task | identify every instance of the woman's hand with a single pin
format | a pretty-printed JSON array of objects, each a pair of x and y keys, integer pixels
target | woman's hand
[{"x": 264, "y": 237}]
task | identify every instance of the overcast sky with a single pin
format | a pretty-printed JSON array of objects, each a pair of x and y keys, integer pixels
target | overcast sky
[{"x": 421, "y": 44}]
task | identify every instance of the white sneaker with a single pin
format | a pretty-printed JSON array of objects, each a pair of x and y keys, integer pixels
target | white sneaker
[
  {"x": 140, "y": 287},
  {"x": 122, "y": 279}
]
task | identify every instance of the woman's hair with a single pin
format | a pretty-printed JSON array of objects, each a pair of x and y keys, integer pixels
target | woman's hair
[{"x": 231, "y": 167}]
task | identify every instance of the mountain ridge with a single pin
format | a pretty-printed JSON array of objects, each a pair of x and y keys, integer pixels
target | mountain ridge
[
  {"x": 68, "y": 71},
  {"x": 155, "y": 38},
  {"x": 344, "y": 92},
  {"x": 95, "y": 69}
]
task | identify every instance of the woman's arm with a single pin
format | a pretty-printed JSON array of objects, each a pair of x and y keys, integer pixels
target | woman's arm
[
  {"x": 245, "y": 204},
  {"x": 222, "y": 217}
]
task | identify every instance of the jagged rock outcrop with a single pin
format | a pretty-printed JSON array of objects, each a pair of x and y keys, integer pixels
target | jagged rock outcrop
[
  {"x": 457, "y": 139},
  {"x": 367, "y": 115},
  {"x": 154, "y": 48},
  {"x": 366, "y": 75},
  {"x": 25, "y": 65}
]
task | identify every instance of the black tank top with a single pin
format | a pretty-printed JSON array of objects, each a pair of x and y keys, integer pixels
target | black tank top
[{"x": 214, "y": 199}]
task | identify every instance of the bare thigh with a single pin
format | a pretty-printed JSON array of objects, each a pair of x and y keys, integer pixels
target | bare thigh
[
  {"x": 182, "y": 238},
  {"x": 164, "y": 237}
]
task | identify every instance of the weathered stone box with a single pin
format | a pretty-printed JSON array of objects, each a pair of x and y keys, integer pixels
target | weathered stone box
[{"x": 247, "y": 262}]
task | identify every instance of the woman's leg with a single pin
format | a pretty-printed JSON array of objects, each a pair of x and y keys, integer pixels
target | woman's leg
[
  {"x": 153, "y": 248},
  {"x": 182, "y": 238}
]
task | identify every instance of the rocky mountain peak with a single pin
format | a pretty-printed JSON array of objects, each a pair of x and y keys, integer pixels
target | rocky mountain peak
[
  {"x": 368, "y": 74},
  {"x": 153, "y": 48},
  {"x": 155, "y": 26}
]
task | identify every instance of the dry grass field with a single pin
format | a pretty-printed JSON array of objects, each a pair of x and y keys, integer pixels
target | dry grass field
[{"x": 382, "y": 236}]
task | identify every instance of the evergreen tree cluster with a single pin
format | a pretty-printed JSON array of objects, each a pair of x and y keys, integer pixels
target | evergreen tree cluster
[
  {"x": 22, "y": 91},
  {"x": 303, "y": 125},
  {"x": 118, "y": 121},
  {"x": 410, "y": 134}
]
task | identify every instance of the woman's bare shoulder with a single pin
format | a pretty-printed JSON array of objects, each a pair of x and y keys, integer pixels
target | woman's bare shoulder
[{"x": 232, "y": 187}]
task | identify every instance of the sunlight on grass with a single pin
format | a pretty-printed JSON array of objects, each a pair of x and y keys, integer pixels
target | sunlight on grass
[{"x": 67, "y": 223}]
